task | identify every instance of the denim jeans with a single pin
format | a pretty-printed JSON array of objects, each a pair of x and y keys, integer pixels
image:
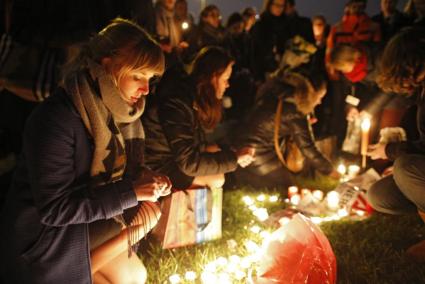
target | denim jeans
[{"x": 404, "y": 191}]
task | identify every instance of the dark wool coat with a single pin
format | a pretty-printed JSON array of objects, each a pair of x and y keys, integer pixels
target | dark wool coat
[
  {"x": 45, "y": 219},
  {"x": 259, "y": 130},
  {"x": 175, "y": 140}
]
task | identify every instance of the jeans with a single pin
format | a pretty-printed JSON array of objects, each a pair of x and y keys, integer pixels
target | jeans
[{"x": 404, "y": 191}]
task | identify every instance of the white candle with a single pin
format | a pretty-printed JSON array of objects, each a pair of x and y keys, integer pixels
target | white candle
[
  {"x": 353, "y": 170},
  {"x": 365, "y": 140},
  {"x": 342, "y": 169},
  {"x": 318, "y": 194},
  {"x": 333, "y": 199},
  {"x": 295, "y": 199},
  {"x": 292, "y": 190}
]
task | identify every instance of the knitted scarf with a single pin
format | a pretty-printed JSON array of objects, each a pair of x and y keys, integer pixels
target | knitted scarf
[{"x": 115, "y": 127}]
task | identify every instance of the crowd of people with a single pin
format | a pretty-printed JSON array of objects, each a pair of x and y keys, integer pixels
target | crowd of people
[{"x": 235, "y": 104}]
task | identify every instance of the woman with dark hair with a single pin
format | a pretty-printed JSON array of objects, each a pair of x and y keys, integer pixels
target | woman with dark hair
[
  {"x": 402, "y": 71},
  {"x": 209, "y": 31},
  {"x": 188, "y": 104},
  {"x": 281, "y": 118},
  {"x": 81, "y": 199}
]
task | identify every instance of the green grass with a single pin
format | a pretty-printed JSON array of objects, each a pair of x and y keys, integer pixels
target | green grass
[{"x": 368, "y": 251}]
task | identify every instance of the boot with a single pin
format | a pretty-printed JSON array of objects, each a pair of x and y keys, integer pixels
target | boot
[{"x": 417, "y": 251}]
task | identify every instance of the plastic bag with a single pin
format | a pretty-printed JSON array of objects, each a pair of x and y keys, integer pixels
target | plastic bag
[{"x": 299, "y": 252}]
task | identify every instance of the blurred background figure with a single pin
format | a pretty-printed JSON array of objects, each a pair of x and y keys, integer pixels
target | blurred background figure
[
  {"x": 298, "y": 25},
  {"x": 242, "y": 88},
  {"x": 209, "y": 31},
  {"x": 249, "y": 17},
  {"x": 390, "y": 19},
  {"x": 320, "y": 30},
  {"x": 168, "y": 32},
  {"x": 269, "y": 36},
  {"x": 184, "y": 19},
  {"x": 415, "y": 10}
]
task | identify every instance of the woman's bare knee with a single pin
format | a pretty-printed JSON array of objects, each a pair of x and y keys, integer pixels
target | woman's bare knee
[{"x": 212, "y": 181}]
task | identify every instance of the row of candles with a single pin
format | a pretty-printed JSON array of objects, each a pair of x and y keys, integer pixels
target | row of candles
[{"x": 225, "y": 270}]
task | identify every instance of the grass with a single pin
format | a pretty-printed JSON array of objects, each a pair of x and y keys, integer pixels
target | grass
[{"x": 368, "y": 251}]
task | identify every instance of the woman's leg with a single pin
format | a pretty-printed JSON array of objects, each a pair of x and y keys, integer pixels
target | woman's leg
[
  {"x": 212, "y": 181},
  {"x": 386, "y": 197},
  {"x": 409, "y": 175},
  {"x": 112, "y": 250},
  {"x": 122, "y": 269}
]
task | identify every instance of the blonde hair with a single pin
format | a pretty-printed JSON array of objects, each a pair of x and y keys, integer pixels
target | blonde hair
[
  {"x": 343, "y": 54},
  {"x": 129, "y": 46},
  {"x": 306, "y": 92}
]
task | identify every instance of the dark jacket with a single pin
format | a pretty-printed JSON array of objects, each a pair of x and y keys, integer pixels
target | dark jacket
[
  {"x": 394, "y": 150},
  {"x": 259, "y": 130},
  {"x": 269, "y": 36},
  {"x": 391, "y": 25},
  {"x": 302, "y": 26},
  {"x": 175, "y": 139},
  {"x": 45, "y": 219}
]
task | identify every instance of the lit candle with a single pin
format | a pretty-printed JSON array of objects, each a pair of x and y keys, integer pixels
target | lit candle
[
  {"x": 305, "y": 192},
  {"x": 342, "y": 169},
  {"x": 185, "y": 25},
  {"x": 190, "y": 275},
  {"x": 318, "y": 194},
  {"x": 353, "y": 170},
  {"x": 295, "y": 199},
  {"x": 333, "y": 199},
  {"x": 261, "y": 197},
  {"x": 292, "y": 190},
  {"x": 365, "y": 140}
]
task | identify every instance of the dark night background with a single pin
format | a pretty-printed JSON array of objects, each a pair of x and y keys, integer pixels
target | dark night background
[{"x": 331, "y": 9}]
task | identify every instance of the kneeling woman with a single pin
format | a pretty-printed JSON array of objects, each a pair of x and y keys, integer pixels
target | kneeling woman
[
  {"x": 80, "y": 197},
  {"x": 280, "y": 118},
  {"x": 188, "y": 104}
]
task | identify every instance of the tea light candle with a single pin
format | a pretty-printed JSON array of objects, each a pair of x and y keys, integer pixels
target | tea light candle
[
  {"x": 295, "y": 199},
  {"x": 342, "y": 169},
  {"x": 353, "y": 170},
  {"x": 333, "y": 199},
  {"x": 318, "y": 194},
  {"x": 292, "y": 190}
]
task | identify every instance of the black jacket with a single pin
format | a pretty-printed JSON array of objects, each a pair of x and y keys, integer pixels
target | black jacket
[
  {"x": 259, "y": 130},
  {"x": 175, "y": 139},
  {"x": 269, "y": 36},
  {"x": 394, "y": 150}
]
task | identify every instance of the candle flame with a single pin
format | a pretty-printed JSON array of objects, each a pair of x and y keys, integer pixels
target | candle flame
[{"x": 365, "y": 124}]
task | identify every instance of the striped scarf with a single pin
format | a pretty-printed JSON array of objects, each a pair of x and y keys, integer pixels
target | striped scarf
[{"x": 116, "y": 130}]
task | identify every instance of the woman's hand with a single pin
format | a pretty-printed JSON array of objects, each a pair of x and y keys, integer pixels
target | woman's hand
[
  {"x": 377, "y": 151},
  {"x": 352, "y": 113},
  {"x": 212, "y": 148},
  {"x": 245, "y": 156},
  {"x": 153, "y": 188}
]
